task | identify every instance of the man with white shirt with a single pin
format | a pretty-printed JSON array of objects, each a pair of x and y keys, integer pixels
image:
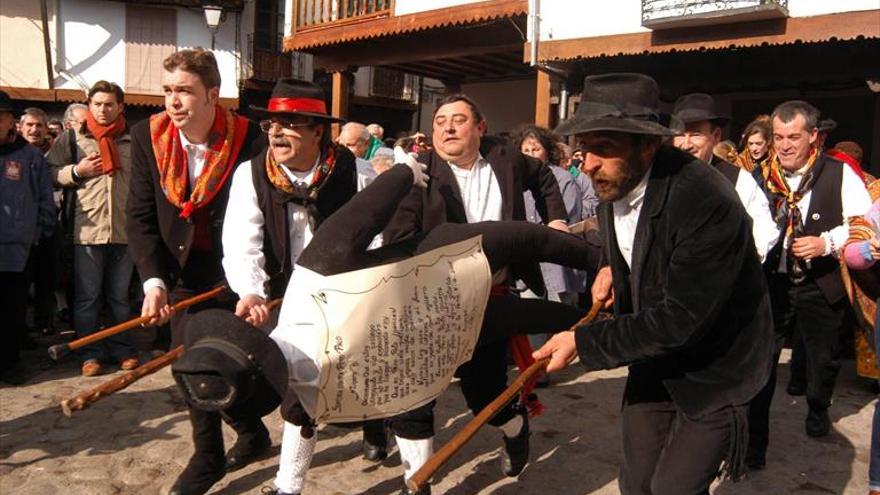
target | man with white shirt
[
  {"x": 702, "y": 132},
  {"x": 692, "y": 314},
  {"x": 813, "y": 196},
  {"x": 477, "y": 179},
  {"x": 182, "y": 160}
]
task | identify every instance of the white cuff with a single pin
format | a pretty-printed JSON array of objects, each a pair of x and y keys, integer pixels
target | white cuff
[
  {"x": 154, "y": 282},
  {"x": 830, "y": 248}
]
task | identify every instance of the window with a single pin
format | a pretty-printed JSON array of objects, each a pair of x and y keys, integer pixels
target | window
[{"x": 150, "y": 37}]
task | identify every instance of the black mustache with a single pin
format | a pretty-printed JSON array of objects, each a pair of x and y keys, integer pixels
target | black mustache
[{"x": 279, "y": 142}]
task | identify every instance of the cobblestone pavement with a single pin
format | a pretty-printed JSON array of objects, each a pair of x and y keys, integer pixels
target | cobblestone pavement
[{"x": 137, "y": 442}]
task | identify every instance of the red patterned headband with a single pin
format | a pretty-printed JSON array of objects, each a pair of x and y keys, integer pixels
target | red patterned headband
[{"x": 311, "y": 105}]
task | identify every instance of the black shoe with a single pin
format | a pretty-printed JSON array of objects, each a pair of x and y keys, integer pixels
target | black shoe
[
  {"x": 245, "y": 452},
  {"x": 426, "y": 490},
  {"x": 269, "y": 490},
  {"x": 515, "y": 454},
  {"x": 796, "y": 389},
  {"x": 818, "y": 424},
  {"x": 375, "y": 445},
  {"x": 198, "y": 477}
]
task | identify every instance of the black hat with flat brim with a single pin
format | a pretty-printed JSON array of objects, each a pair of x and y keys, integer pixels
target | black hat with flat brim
[
  {"x": 827, "y": 125},
  {"x": 697, "y": 107},
  {"x": 229, "y": 365},
  {"x": 296, "y": 97},
  {"x": 620, "y": 102}
]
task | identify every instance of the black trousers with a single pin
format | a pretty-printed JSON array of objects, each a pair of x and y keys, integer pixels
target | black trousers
[
  {"x": 665, "y": 452},
  {"x": 340, "y": 245},
  {"x": 42, "y": 272},
  {"x": 13, "y": 307},
  {"x": 803, "y": 310}
]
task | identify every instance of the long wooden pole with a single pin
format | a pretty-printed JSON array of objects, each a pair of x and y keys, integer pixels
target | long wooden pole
[
  {"x": 421, "y": 477},
  {"x": 115, "y": 384},
  {"x": 56, "y": 352}
]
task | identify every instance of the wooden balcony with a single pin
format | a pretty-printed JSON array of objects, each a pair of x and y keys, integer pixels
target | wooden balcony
[{"x": 314, "y": 14}]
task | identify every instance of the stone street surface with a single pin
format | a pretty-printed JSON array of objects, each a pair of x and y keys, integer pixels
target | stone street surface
[{"x": 137, "y": 442}]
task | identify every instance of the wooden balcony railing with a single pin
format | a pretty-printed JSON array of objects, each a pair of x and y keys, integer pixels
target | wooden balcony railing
[
  {"x": 266, "y": 61},
  {"x": 320, "y": 13}
]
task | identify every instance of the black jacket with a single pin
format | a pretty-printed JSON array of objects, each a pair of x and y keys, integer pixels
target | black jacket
[
  {"x": 441, "y": 202},
  {"x": 693, "y": 317},
  {"x": 158, "y": 239}
]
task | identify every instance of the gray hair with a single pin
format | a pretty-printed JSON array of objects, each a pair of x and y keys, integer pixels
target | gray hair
[
  {"x": 786, "y": 112},
  {"x": 358, "y": 129},
  {"x": 376, "y": 129},
  {"x": 36, "y": 113},
  {"x": 68, "y": 113}
]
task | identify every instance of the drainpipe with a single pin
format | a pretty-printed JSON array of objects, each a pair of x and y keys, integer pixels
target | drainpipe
[
  {"x": 535, "y": 23},
  {"x": 44, "y": 18},
  {"x": 563, "y": 101}
]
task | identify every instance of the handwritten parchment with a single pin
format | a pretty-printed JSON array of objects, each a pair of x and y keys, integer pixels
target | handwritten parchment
[{"x": 393, "y": 335}]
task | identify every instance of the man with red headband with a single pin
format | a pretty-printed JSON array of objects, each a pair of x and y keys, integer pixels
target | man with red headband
[{"x": 182, "y": 163}]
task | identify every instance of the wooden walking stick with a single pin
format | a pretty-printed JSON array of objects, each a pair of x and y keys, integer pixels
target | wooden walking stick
[
  {"x": 421, "y": 477},
  {"x": 56, "y": 352},
  {"x": 115, "y": 384}
]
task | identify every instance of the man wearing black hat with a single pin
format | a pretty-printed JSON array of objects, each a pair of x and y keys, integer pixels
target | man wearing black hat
[
  {"x": 182, "y": 159},
  {"x": 702, "y": 131},
  {"x": 28, "y": 216},
  {"x": 277, "y": 201},
  {"x": 692, "y": 312}
]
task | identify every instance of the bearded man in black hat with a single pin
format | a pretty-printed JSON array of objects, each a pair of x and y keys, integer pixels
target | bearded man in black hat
[
  {"x": 277, "y": 201},
  {"x": 702, "y": 131},
  {"x": 693, "y": 318}
]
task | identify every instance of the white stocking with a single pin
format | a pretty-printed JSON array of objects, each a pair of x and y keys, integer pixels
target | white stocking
[
  {"x": 296, "y": 456},
  {"x": 414, "y": 454}
]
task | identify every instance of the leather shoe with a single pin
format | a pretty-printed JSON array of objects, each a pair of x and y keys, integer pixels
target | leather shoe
[
  {"x": 91, "y": 368},
  {"x": 129, "y": 363},
  {"x": 245, "y": 452},
  {"x": 818, "y": 424},
  {"x": 198, "y": 477},
  {"x": 375, "y": 447},
  {"x": 515, "y": 454}
]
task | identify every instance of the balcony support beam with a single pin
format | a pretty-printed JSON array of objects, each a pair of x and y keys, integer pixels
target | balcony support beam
[
  {"x": 339, "y": 102},
  {"x": 542, "y": 99}
]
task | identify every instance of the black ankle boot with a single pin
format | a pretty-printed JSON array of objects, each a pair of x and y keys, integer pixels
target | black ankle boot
[
  {"x": 253, "y": 443},
  {"x": 205, "y": 467}
]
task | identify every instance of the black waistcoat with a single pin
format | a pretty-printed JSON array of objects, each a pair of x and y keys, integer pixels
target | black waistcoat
[
  {"x": 825, "y": 213},
  {"x": 340, "y": 186},
  {"x": 727, "y": 169}
]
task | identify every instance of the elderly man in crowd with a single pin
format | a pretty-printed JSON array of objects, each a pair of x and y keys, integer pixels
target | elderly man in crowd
[
  {"x": 34, "y": 128},
  {"x": 356, "y": 138}
]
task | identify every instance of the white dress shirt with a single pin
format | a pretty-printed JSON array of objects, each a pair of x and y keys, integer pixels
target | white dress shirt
[
  {"x": 480, "y": 191},
  {"x": 626, "y": 217},
  {"x": 243, "y": 260},
  {"x": 764, "y": 229},
  {"x": 195, "y": 162},
  {"x": 855, "y": 202}
]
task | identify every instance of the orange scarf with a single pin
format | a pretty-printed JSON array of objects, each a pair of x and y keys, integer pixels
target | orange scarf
[
  {"x": 224, "y": 144},
  {"x": 106, "y": 136},
  {"x": 281, "y": 181}
]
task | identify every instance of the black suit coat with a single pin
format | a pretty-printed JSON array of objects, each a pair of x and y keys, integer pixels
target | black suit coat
[
  {"x": 441, "y": 202},
  {"x": 158, "y": 239},
  {"x": 693, "y": 317}
]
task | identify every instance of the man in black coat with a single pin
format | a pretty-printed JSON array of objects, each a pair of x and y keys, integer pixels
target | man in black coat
[
  {"x": 477, "y": 179},
  {"x": 693, "y": 320},
  {"x": 182, "y": 160}
]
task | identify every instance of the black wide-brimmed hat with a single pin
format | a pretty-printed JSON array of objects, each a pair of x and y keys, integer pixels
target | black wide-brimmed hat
[
  {"x": 296, "y": 97},
  {"x": 229, "y": 365},
  {"x": 696, "y": 107},
  {"x": 623, "y": 102},
  {"x": 827, "y": 125},
  {"x": 6, "y": 103}
]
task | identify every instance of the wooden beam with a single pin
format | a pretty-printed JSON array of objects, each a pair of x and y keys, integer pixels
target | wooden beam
[
  {"x": 542, "y": 100},
  {"x": 401, "y": 53},
  {"x": 843, "y": 26},
  {"x": 339, "y": 104}
]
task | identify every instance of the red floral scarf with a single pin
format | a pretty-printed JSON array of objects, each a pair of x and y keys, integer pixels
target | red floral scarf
[{"x": 225, "y": 141}]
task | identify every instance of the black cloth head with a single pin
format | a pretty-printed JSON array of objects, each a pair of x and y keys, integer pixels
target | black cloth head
[
  {"x": 229, "y": 365},
  {"x": 296, "y": 97},
  {"x": 624, "y": 102}
]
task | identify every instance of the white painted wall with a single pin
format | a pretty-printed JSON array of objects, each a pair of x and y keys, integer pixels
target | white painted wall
[
  {"x": 22, "y": 57},
  {"x": 90, "y": 42},
  {"x": 404, "y": 7},
  {"x": 568, "y": 19}
]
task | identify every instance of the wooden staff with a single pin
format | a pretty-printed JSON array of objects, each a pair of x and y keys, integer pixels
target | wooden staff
[
  {"x": 115, "y": 384},
  {"x": 421, "y": 477},
  {"x": 56, "y": 352}
]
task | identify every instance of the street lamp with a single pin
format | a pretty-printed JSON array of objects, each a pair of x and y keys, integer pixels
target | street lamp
[{"x": 213, "y": 17}]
